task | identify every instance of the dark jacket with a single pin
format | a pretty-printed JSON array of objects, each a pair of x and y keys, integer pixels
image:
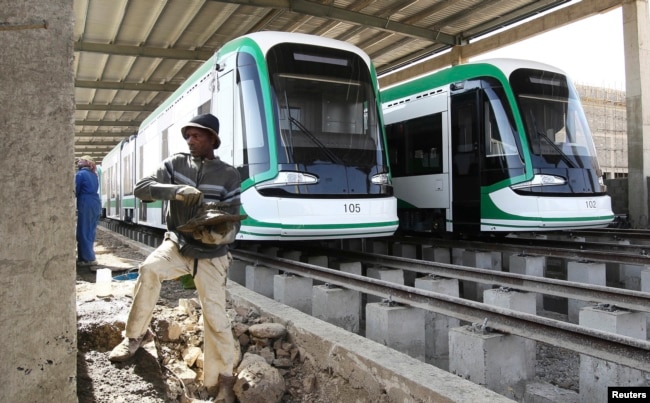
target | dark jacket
[{"x": 218, "y": 181}]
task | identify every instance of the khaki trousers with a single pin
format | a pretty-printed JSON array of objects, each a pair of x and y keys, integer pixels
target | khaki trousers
[{"x": 166, "y": 263}]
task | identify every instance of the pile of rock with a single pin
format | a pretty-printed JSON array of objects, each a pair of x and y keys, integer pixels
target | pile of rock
[{"x": 266, "y": 355}]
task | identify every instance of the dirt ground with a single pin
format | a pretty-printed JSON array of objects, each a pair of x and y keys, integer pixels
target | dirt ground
[
  {"x": 151, "y": 376},
  {"x": 100, "y": 325}
]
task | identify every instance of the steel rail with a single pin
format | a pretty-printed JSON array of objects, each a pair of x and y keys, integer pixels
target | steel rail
[
  {"x": 628, "y": 299},
  {"x": 631, "y": 352},
  {"x": 525, "y": 246},
  {"x": 615, "y": 233}
]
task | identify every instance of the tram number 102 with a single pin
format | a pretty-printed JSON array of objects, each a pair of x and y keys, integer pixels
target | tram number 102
[
  {"x": 591, "y": 204},
  {"x": 352, "y": 208}
]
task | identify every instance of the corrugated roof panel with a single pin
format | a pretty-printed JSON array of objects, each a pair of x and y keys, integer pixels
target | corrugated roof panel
[{"x": 205, "y": 25}]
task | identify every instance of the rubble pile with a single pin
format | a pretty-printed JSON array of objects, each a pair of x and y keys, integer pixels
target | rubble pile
[
  {"x": 267, "y": 355},
  {"x": 269, "y": 368}
]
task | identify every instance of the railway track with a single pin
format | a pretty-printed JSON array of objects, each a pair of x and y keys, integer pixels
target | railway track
[
  {"x": 627, "y": 351},
  {"x": 631, "y": 352},
  {"x": 568, "y": 248}
]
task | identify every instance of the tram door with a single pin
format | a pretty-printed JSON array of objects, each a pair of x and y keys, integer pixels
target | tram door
[{"x": 466, "y": 162}]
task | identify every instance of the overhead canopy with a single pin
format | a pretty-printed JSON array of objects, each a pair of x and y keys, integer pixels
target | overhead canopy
[{"x": 131, "y": 54}]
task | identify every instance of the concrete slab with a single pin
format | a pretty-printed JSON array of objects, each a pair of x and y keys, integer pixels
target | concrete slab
[{"x": 375, "y": 370}]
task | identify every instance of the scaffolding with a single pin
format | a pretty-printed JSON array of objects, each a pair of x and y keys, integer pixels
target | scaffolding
[{"x": 607, "y": 118}]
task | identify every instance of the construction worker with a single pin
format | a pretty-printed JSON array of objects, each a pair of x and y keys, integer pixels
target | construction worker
[{"x": 186, "y": 180}]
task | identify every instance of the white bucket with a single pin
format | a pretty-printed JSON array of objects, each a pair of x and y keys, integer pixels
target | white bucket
[{"x": 103, "y": 286}]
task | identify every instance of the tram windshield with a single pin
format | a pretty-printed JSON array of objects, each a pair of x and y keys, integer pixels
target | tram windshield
[
  {"x": 325, "y": 107},
  {"x": 556, "y": 127}
]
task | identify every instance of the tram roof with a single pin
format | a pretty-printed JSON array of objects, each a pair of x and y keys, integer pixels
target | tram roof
[{"x": 130, "y": 55}]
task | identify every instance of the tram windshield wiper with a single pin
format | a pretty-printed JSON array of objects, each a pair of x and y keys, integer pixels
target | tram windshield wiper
[
  {"x": 565, "y": 157},
  {"x": 328, "y": 153},
  {"x": 542, "y": 135}
]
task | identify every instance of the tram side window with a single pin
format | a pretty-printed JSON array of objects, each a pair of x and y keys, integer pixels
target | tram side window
[
  {"x": 256, "y": 157},
  {"x": 205, "y": 107},
  {"x": 127, "y": 176},
  {"x": 499, "y": 135},
  {"x": 415, "y": 146}
]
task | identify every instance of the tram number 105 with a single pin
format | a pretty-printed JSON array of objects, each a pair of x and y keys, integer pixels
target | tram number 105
[
  {"x": 352, "y": 208},
  {"x": 591, "y": 204}
]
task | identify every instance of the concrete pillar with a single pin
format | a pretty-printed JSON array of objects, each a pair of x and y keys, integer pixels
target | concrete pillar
[
  {"x": 349, "y": 267},
  {"x": 260, "y": 279},
  {"x": 493, "y": 360},
  {"x": 613, "y": 276},
  {"x": 377, "y": 246},
  {"x": 457, "y": 256},
  {"x": 529, "y": 266},
  {"x": 497, "y": 261},
  {"x": 294, "y": 255},
  {"x": 522, "y": 302},
  {"x": 354, "y": 244},
  {"x": 597, "y": 374},
  {"x": 631, "y": 276},
  {"x": 407, "y": 251},
  {"x": 38, "y": 358},
  {"x": 436, "y": 325},
  {"x": 319, "y": 260},
  {"x": 396, "y": 326},
  {"x": 338, "y": 306},
  {"x": 357, "y": 269},
  {"x": 583, "y": 272},
  {"x": 480, "y": 260},
  {"x": 294, "y": 291},
  {"x": 385, "y": 274},
  {"x": 645, "y": 287},
  {"x": 270, "y": 251},
  {"x": 433, "y": 254},
  {"x": 636, "y": 42},
  {"x": 237, "y": 271}
]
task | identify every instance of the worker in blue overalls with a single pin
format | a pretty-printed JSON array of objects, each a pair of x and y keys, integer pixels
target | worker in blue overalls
[{"x": 89, "y": 208}]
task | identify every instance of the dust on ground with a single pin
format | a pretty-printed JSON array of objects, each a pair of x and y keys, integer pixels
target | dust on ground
[{"x": 149, "y": 377}]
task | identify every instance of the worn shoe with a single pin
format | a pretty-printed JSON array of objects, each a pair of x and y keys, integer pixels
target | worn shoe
[
  {"x": 83, "y": 263},
  {"x": 128, "y": 347},
  {"x": 225, "y": 385}
]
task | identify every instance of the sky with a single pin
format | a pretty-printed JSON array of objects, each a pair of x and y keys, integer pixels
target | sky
[{"x": 590, "y": 51}]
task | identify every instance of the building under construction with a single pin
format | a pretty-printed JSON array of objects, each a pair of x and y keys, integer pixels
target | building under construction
[{"x": 605, "y": 110}]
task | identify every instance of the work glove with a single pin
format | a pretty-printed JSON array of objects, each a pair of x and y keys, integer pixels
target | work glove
[
  {"x": 221, "y": 234},
  {"x": 189, "y": 195}
]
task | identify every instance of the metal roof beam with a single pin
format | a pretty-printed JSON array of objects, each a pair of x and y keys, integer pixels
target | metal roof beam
[
  {"x": 103, "y": 144},
  {"x": 113, "y": 107},
  {"x": 336, "y": 13},
  {"x": 108, "y": 85},
  {"x": 561, "y": 17},
  {"x": 107, "y": 123},
  {"x": 143, "y": 51},
  {"x": 103, "y": 134}
]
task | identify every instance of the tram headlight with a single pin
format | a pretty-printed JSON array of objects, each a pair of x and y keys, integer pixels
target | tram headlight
[
  {"x": 290, "y": 178},
  {"x": 380, "y": 179},
  {"x": 541, "y": 180}
]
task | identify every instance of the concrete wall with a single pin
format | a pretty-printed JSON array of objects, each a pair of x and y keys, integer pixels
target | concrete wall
[{"x": 37, "y": 229}]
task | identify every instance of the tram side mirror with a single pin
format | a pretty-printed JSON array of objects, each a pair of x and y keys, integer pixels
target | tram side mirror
[{"x": 457, "y": 86}]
